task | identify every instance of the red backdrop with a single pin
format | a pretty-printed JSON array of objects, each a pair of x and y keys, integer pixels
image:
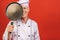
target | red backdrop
[{"x": 45, "y": 12}]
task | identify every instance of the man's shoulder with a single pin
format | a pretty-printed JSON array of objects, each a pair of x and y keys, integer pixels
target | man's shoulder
[
  {"x": 34, "y": 25},
  {"x": 33, "y": 21}
]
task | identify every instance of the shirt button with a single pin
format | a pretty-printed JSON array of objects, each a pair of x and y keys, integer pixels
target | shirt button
[
  {"x": 18, "y": 35},
  {"x": 18, "y": 25},
  {"x": 28, "y": 26},
  {"x": 28, "y": 35}
]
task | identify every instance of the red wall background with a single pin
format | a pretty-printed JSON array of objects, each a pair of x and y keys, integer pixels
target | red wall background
[{"x": 45, "y": 12}]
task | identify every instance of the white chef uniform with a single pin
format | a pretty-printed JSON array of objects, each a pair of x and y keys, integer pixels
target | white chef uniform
[{"x": 22, "y": 31}]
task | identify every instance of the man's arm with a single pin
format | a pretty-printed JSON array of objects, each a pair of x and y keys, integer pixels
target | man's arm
[
  {"x": 36, "y": 32},
  {"x": 7, "y": 35}
]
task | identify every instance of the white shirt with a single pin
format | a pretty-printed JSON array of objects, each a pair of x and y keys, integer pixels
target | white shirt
[{"x": 22, "y": 31}]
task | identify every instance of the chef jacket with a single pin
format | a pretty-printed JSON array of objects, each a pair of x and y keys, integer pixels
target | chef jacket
[{"x": 23, "y": 31}]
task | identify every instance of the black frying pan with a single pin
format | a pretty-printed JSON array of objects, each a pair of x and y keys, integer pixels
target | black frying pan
[{"x": 14, "y": 11}]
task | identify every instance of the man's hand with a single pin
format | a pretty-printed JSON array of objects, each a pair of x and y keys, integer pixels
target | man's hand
[{"x": 10, "y": 28}]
